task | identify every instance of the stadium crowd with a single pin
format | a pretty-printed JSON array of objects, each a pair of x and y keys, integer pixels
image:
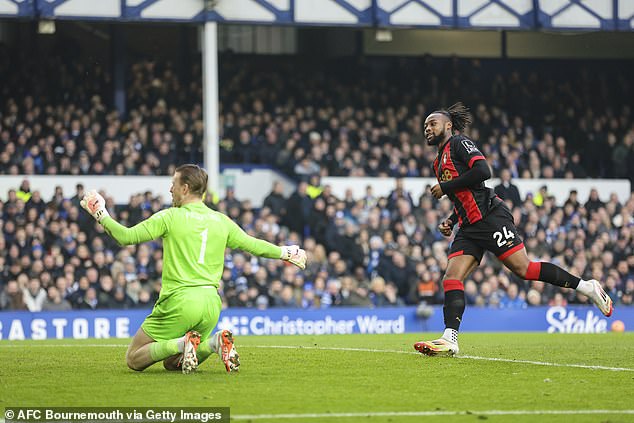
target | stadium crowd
[
  {"x": 312, "y": 120},
  {"x": 371, "y": 251},
  {"x": 354, "y": 119}
]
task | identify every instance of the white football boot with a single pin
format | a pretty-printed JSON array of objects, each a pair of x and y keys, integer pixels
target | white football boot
[
  {"x": 189, "y": 361},
  {"x": 437, "y": 347},
  {"x": 599, "y": 297},
  {"x": 223, "y": 344}
]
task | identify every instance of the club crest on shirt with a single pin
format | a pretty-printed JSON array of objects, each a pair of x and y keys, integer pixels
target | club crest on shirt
[{"x": 469, "y": 146}]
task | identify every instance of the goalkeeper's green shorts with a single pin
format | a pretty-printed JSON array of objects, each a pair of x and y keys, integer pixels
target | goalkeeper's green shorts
[{"x": 196, "y": 308}]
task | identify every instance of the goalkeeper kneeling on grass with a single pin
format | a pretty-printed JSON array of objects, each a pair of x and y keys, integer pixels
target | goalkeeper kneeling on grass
[{"x": 178, "y": 331}]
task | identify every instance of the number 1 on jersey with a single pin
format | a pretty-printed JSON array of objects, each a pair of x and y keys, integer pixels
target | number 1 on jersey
[{"x": 203, "y": 246}]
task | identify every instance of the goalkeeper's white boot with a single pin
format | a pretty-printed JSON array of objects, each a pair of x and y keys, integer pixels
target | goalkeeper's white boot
[
  {"x": 226, "y": 350},
  {"x": 189, "y": 361},
  {"x": 437, "y": 347},
  {"x": 592, "y": 289}
]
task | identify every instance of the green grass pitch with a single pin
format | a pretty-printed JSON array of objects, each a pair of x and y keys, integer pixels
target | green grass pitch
[{"x": 366, "y": 378}]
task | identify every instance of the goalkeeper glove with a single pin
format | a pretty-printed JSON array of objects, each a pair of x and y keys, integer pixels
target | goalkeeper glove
[
  {"x": 295, "y": 255},
  {"x": 95, "y": 204}
]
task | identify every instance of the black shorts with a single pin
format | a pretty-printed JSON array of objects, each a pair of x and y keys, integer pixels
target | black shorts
[{"x": 495, "y": 233}]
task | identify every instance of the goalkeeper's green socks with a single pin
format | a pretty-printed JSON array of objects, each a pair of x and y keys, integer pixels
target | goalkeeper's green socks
[
  {"x": 209, "y": 347},
  {"x": 163, "y": 349},
  {"x": 204, "y": 351}
]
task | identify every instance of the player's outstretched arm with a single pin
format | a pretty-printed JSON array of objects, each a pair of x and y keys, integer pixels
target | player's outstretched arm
[
  {"x": 261, "y": 248},
  {"x": 149, "y": 229}
]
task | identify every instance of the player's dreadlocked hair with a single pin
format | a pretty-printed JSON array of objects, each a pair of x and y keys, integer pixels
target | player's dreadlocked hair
[{"x": 459, "y": 115}]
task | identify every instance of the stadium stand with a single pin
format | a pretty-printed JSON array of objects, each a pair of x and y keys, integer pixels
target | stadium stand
[
  {"x": 349, "y": 119},
  {"x": 362, "y": 252},
  {"x": 312, "y": 119}
]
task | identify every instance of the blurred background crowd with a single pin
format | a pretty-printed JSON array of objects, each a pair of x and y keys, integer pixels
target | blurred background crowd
[
  {"x": 370, "y": 251},
  {"x": 310, "y": 120},
  {"x": 362, "y": 118}
]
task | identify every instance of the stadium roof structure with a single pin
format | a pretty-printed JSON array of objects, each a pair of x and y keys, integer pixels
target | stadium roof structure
[{"x": 578, "y": 15}]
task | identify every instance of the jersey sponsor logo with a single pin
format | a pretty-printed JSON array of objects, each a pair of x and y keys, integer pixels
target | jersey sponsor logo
[
  {"x": 446, "y": 176},
  {"x": 469, "y": 146}
]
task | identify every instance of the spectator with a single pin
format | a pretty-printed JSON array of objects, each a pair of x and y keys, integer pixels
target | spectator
[
  {"x": 287, "y": 299},
  {"x": 90, "y": 300},
  {"x": 332, "y": 295},
  {"x": 506, "y": 190},
  {"x": 230, "y": 200},
  {"x": 541, "y": 196},
  {"x": 306, "y": 167},
  {"x": 11, "y": 298},
  {"x": 314, "y": 188},
  {"x": 347, "y": 243},
  {"x": 398, "y": 272},
  {"x": 55, "y": 302},
  {"x": 34, "y": 295},
  {"x": 120, "y": 299},
  {"x": 24, "y": 192},
  {"x": 399, "y": 193},
  {"x": 391, "y": 294},
  {"x": 533, "y": 298},
  {"x": 352, "y": 295},
  {"x": 594, "y": 203},
  {"x": 573, "y": 200},
  {"x": 298, "y": 209},
  {"x": 513, "y": 299},
  {"x": 275, "y": 201},
  {"x": 575, "y": 167},
  {"x": 426, "y": 287},
  {"x": 377, "y": 292}
]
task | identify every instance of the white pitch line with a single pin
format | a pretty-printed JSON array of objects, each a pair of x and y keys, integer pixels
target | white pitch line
[
  {"x": 372, "y": 350},
  {"x": 545, "y": 363},
  {"x": 468, "y": 357},
  {"x": 303, "y": 347},
  {"x": 427, "y": 413}
]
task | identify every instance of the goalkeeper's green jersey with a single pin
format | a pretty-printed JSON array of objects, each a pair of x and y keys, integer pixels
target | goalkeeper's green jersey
[{"x": 194, "y": 242}]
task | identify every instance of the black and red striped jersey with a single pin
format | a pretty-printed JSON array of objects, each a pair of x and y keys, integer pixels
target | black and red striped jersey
[{"x": 457, "y": 156}]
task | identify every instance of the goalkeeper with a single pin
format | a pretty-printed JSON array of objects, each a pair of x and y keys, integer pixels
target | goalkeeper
[{"x": 195, "y": 237}]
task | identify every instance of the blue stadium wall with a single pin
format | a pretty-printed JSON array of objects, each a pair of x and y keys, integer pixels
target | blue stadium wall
[
  {"x": 124, "y": 323},
  {"x": 605, "y": 15}
]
